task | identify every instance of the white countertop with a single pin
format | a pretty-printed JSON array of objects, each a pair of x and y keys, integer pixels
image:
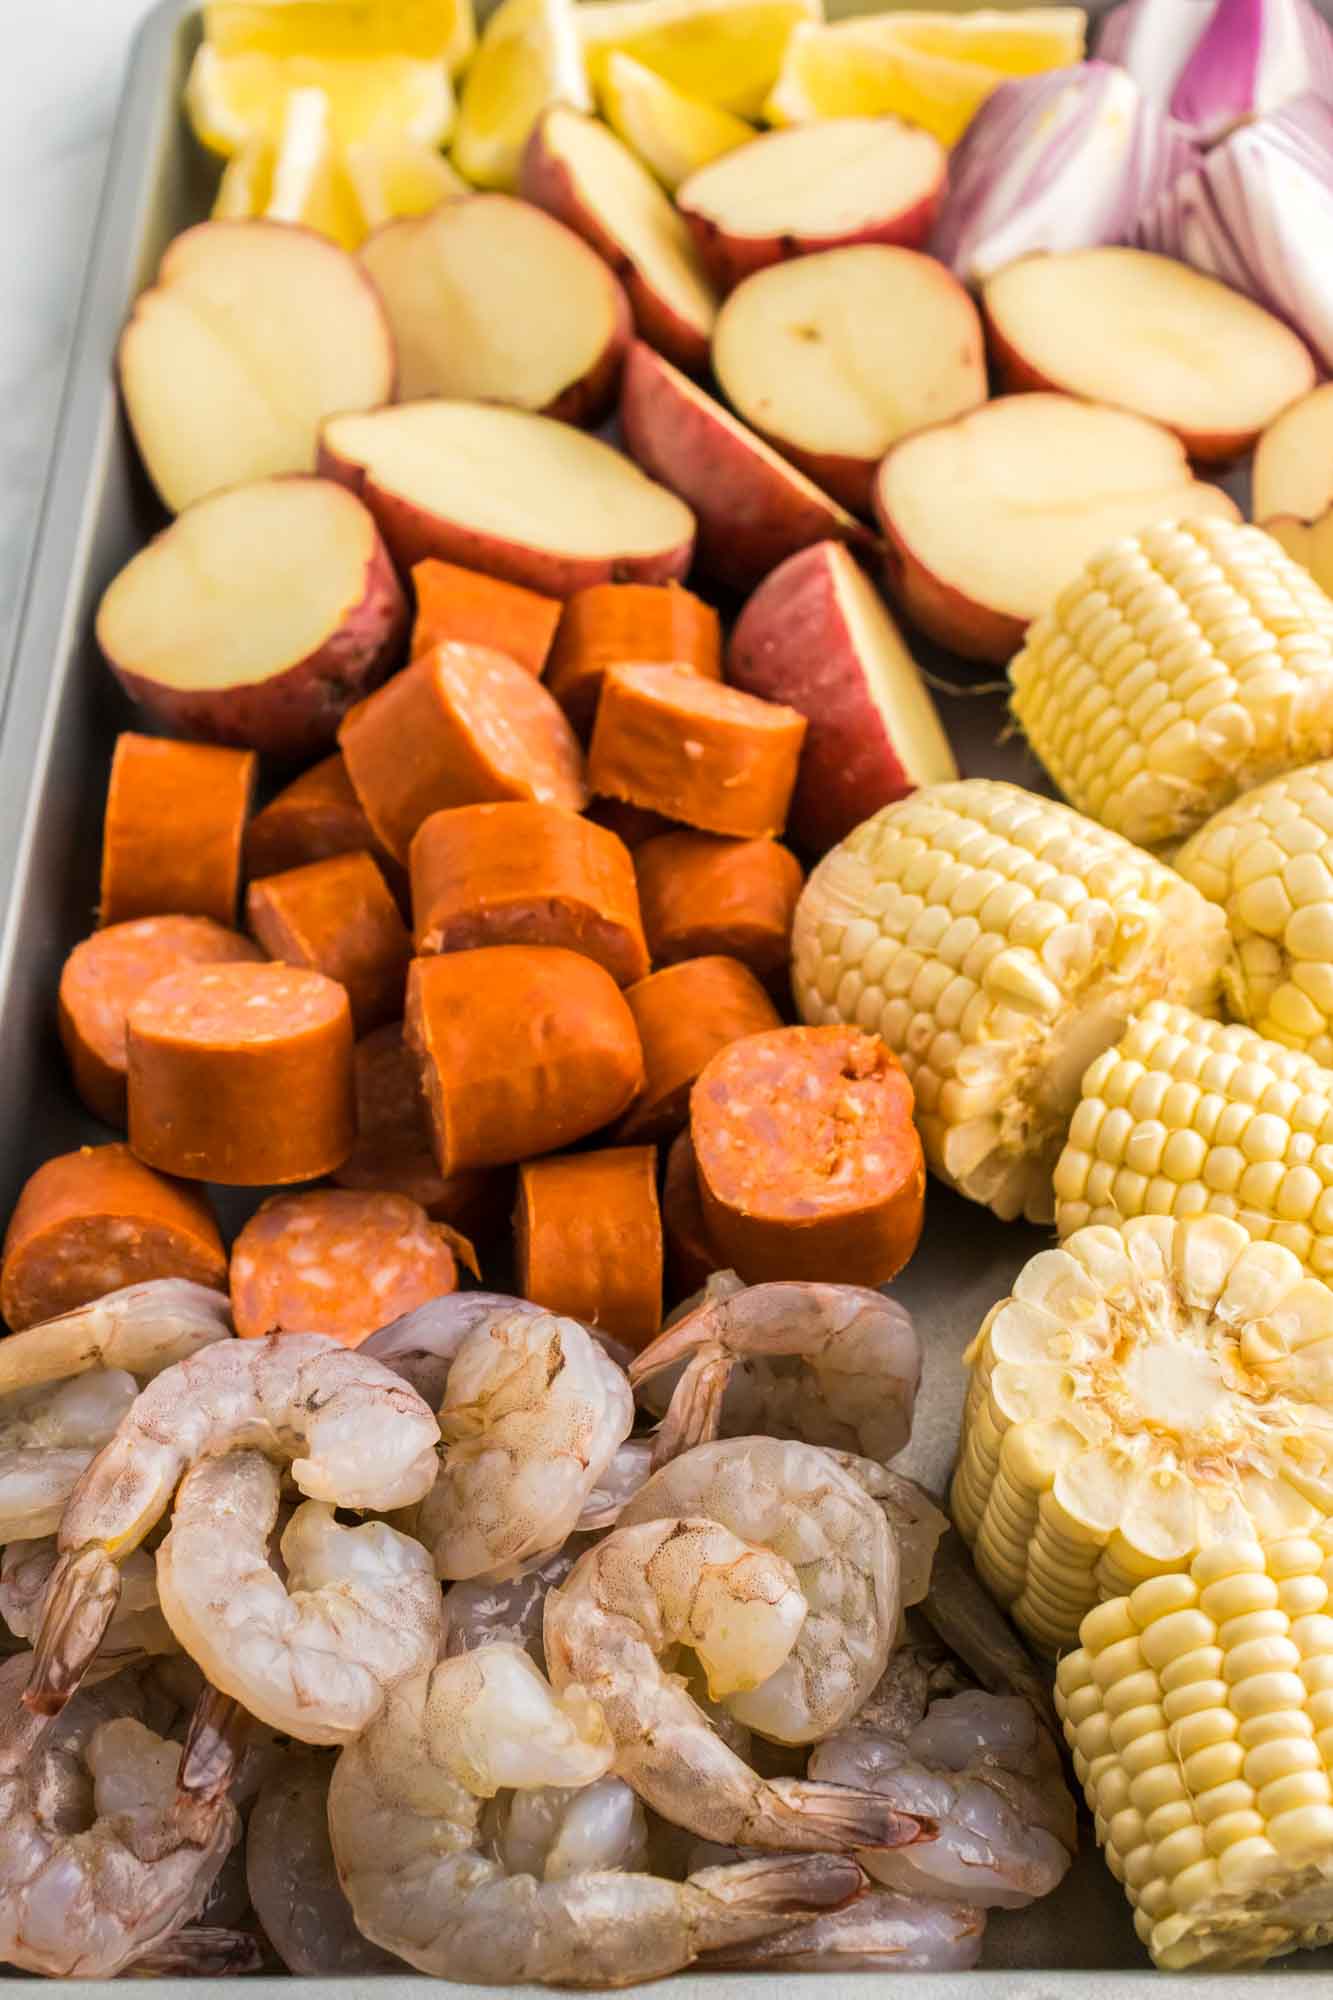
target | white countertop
[{"x": 60, "y": 78}]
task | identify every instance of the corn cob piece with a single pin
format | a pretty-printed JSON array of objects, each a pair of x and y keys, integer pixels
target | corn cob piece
[
  {"x": 1190, "y": 1117},
  {"x": 1267, "y": 859},
  {"x": 1184, "y": 666},
  {"x": 1199, "y": 1711},
  {"x": 1143, "y": 1393},
  {"x": 998, "y": 942}
]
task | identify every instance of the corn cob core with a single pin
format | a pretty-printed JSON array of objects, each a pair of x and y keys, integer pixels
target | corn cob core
[
  {"x": 1189, "y": 1117},
  {"x": 1142, "y": 1394},
  {"x": 1199, "y": 1712},
  {"x": 1185, "y": 665},
  {"x": 1267, "y": 859},
  {"x": 997, "y": 941}
]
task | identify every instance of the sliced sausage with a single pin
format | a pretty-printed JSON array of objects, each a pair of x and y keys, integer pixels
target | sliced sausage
[
  {"x": 704, "y": 754},
  {"x": 477, "y": 610},
  {"x": 700, "y": 895},
  {"x": 527, "y": 874},
  {"x": 104, "y": 976},
  {"x": 337, "y": 917},
  {"x": 89, "y": 1222},
  {"x": 336, "y": 1262},
  {"x": 523, "y": 1049},
  {"x": 588, "y": 1239},
  {"x": 174, "y": 829},
  {"x": 315, "y": 817},
  {"x": 690, "y": 1257},
  {"x": 631, "y": 824},
  {"x": 461, "y": 726},
  {"x": 684, "y": 1015},
  {"x": 809, "y": 1163},
  {"x": 610, "y": 624},
  {"x": 393, "y": 1155},
  {"x": 242, "y": 1074}
]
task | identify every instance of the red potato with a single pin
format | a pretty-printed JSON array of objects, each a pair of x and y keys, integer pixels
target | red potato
[
  {"x": 752, "y": 508},
  {"x": 817, "y": 636},
  {"x": 1144, "y": 333},
  {"x": 578, "y": 171},
  {"x": 518, "y": 496},
  {"x": 252, "y": 335},
  {"x": 258, "y": 617},
  {"x": 835, "y": 357},
  {"x": 459, "y": 283},
  {"x": 1310, "y": 543},
  {"x": 814, "y": 187},
  {"x": 1293, "y": 462},
  {"x": 988, "y": 519}
]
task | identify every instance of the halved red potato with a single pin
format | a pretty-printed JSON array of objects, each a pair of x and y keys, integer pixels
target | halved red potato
[
  {"x": 1146, "y": 334},
  {"x": 987, "y": 519},
  {"x": 252, "y": 334},
  {"x": 578, "y": 171},
  {"x": 753, "y": 509},
  {"x": 1310, "y": 543},
  {"x": 836, "y": 356},
  {"x": 512, "y": 494},
  {"x": 814, "y": 187},
  {"x": 459, "y": 286},
  {"x": 1293, "y": 461},
  {"x": 258, "y": 618}
]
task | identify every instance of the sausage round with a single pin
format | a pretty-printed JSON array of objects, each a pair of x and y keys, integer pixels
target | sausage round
[
  {"x": 611, "y": 623},
  {"x": 527, "y": 874},
  {"x": 630, "y": 824},
  {"x": 684, "y": 1015},
  {"x": 700, "y": 895},
  {"x": 461, "y": 726},
  {"x": 174, "y": 829},
  {"x": 588, "y": 1239},
  {"x": 477, "y": 610},
  {"x": 690, "y": 1257},
  {"x": 336, "y": 1262},
  {"x": 89, "y": 1222},
  {"x": 337, "y": 917},
  {"x": 809, "y": 1163},
  {"x": 315, "y": 817},
  {"x": 103, "y": 977},
  {"x": 523, "y": 1049},
  {"x": 392, "y": 1154},
  {"x": 707, "y": 755},
  {"x": 242, "y": 1074}
]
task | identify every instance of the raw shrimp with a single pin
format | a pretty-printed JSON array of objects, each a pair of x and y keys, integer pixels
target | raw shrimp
[
  {"x": 879, "y": 1932},
  {"x": 835, "y": 1365},
  {"x": 293, "y": 1881},
  {"x": 507, "y": 1613},
  {"x": 983, "y": 1766},
  {"x": 915, "y": 1522},
  {"x": 613, "y": 1628},
  {"x": 533, "y": 1414},
  {"x": 49, "y": 1435},
  {"x": 962, "y": 1612},
  {"x": 312, "y": 1655},
  {"x": 203, "y": 1951},
  {"x": 797, "y": 1500},
  {"x": 137, "y": 1626},
  {"x": 141, "y": 1330},
  {"x": 101, "y": 1859},
  {"x": 353, "y": 1434},
  {"x": 423, "y": 1345},
  {"x": 406, "y": 1812},
  {"x": 557, "y": 1830},
  {"x": 619, "y": 1482}
]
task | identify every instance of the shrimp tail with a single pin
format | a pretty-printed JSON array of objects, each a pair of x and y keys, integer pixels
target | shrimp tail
[
  {"x": 204, "y": 1951},
  {"x": 746, "y": 1893},
  {"x": 213, "y": 1746},
  {"x": 81, "y": 1602},
  {"x": 879, "y": 1932},
  {"x": 800, "y": 1814},
  {"x": 694, "y": 1414}
]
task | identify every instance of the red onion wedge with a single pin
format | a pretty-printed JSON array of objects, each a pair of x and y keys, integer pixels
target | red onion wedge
[{"x": 1213, "y": 64}]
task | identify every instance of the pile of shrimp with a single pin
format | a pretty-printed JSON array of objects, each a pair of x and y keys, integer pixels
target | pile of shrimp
[{"x": 493, "y": 1651}]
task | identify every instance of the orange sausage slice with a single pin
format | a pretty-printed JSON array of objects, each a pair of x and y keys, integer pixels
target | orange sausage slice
[
  {"x": 609, "y": 624},
  {"x": 684, "y": 1015},
  {"x": 336, "y": 1262},
  {"x": 174, "y": 829},
  {"x": 588, "y": 1239},
  {"x": 630, "y": 824},
  {"x": 700, "y": 895},
  {"x": 315, "y": 817},
  {"x": 476, "y": 610},
  {"x": 337, "y": 917},
  {"x": 690, "y": 1257},
  {"x": 392, "y": 1154}
]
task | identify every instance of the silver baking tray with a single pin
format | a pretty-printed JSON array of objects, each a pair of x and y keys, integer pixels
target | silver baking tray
[{"x": 59, "y": 713}]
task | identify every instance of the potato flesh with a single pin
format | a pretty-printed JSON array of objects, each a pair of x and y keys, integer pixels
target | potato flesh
[
  {"x": 893, "y": 680},
  {"x": 823, "y": 179},
  {"x": 1293, "y": 462}
]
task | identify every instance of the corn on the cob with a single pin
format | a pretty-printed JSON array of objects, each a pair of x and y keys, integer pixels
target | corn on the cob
[
  {"x": 1185, "y": 665},
  {"x": 998, "y": 942},
  {"x": 1190, "y": 1117},
  {"x": 1267, "y": 859},
  {"x": 1144, "y": 1392},
  {"x": 1199, "y": 1711}
]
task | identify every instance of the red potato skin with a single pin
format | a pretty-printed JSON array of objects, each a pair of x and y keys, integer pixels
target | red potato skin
[
  {"x": 751, "y": 513},
  {"x": 412, "y": 535},
  {"x": 546, "y": 180},
  {"x": 730, "y": 257},
  {"x": 293, "y": 715},
  {"x": 952, "y": 619}
]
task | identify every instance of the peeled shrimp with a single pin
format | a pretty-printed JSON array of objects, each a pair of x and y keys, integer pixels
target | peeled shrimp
[
  {"x": 619, "y": 1482},
  {"x": 797, "y": 1500},
  {"x": 915, "y": 1522},
  {"x": 533, "y": 1414},
  {"x": 509, "y": 1613},
  {"x": 879, "y": 1932},
  {"x": 293, "y": 1880},
  {"x": 314, "y": 1655},
  {"x": 980, "y": 1764},
  {"x": 612, "y": 1628},
  {"x": 49, "y": 1435},
  {"x": 141, "y": 1330},
  {"x": 137, "y": 1626},
  {"x": 101, "y": 1860},
  {"x": 406, "y": 1814},
  {"x": 962, "y": 1613},
  {"x": 835, "y": 1365},
  {"x": 423, "y": 1345},
  {"x": 558, "y": 1831}
]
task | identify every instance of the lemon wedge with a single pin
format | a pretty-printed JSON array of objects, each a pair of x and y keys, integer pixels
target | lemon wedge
[
  {"x": 428, "y": 30},
  {"x": 529, "y": 56},
  {"x": 397, "y": 177},
  {"x": 935, "y": 70},
  {"x": 234, "y": 100},
  {"x": 671, "y": 133},
  {"x": 726, "y": 52}
]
